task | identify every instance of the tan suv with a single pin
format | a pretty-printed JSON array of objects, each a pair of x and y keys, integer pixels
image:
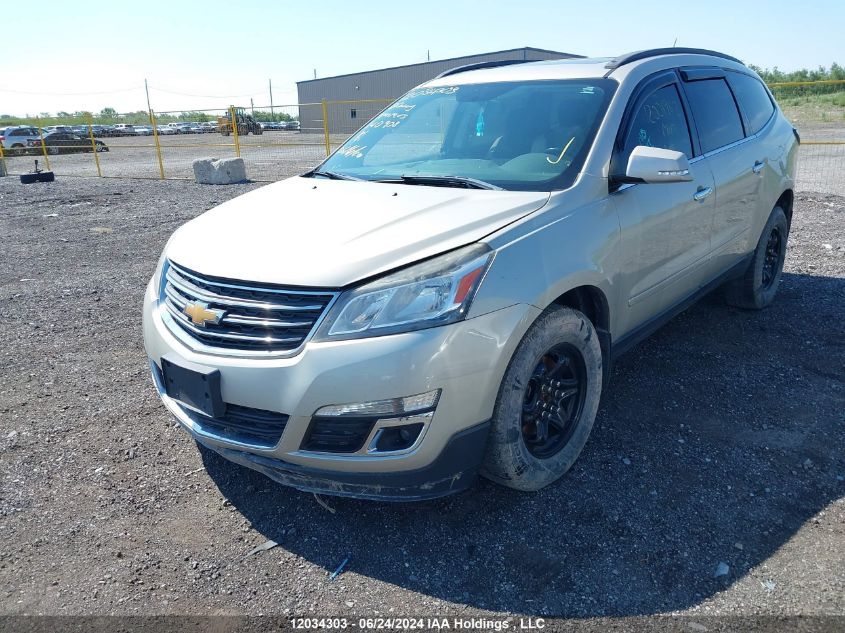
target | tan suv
[{"x": 445, "y": 294}]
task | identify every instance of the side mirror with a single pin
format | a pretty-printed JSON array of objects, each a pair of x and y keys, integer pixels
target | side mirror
[{"x": 655, "y": 164}]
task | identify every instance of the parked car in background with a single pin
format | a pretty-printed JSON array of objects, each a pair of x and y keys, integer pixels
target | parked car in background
[
  {"x": 124, "y": 129},
  {"x": 143, "y": 130},
  {"x": 195, "y": 128},
  {"x": 58, "y": 128},
  {"x": 165, "y": 130},
  {"x": 15, "y": 139},
  {"x": 180, "y": 127},
  {"x": 208, "y": 127},
  {"x": 67, "y": 143},
  {"x": 291, "y": 125}
]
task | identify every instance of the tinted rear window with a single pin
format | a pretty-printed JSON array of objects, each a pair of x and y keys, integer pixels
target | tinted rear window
[
  {"x": 715, "y": 113},
  {"x": 754, "y": 100}
]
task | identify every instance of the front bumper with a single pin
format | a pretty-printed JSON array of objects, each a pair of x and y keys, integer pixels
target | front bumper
[
  {"x": 466, "y": 360},
  {"x": 455, "y": 469}
]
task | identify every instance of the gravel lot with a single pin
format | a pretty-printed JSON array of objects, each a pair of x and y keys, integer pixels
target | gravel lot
[{"x": 720, "y": 440}]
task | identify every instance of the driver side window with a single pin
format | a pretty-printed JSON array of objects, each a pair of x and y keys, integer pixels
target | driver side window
[{"x": 659, "y": 122}]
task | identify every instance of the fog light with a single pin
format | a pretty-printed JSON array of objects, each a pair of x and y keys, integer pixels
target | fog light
[
  {"x": 397, "y": 438},
  {"x": 391, "y": 407}
]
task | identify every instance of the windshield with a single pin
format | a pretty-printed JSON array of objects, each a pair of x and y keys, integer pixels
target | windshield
[{"x": 512, "y": 135}]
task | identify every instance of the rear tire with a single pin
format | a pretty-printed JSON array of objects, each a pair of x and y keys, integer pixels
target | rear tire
[
  {"x": 757, "y": 288},
  {"x": 547, "y": 402}
]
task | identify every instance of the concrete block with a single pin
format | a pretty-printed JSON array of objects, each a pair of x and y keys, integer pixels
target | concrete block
[{"x": 223, "y": 171}]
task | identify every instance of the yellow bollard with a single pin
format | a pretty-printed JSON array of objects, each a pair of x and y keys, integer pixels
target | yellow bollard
[
  {"x": 326, "y": 127},
  {"x": 94, "y": 145},
  {"x": 235, "y": 131},
  {"x": 43, "y": 147},
  {"x": 158, "y": 145}
]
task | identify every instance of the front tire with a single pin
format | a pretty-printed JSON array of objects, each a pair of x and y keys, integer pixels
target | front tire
[
  {"x": 757, "y": 288},
  {"x": 547, "y": 402}
]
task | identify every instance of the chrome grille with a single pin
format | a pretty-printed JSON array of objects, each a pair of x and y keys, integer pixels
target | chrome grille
[{"x": 253, "y": 317}]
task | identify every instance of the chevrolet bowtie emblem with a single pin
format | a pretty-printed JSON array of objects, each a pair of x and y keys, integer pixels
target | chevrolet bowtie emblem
[{"x": 200, "y": 314}]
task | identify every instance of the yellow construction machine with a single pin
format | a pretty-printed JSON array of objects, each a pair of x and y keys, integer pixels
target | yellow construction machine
[{"x": 245, "y": 122}]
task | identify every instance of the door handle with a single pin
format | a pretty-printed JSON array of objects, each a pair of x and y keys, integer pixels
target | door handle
[
  {"x": 702, "y": 193},
  {"x": 758, "y": 167}
]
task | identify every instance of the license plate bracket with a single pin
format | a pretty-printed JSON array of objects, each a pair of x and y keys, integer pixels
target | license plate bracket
[{"x": 194, "y": 385}]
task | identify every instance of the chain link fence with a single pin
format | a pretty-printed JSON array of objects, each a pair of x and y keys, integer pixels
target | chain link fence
[
  {"x": 817, "y": 109},
  {"x": 279, "y": 141}
]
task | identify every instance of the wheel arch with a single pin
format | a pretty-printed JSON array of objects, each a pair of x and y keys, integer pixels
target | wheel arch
[
  {"x": 592, "y": 302},
  {"x": 785, "y": 202}
]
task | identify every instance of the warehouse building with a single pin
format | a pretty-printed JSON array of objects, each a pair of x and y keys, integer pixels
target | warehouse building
[{"x": 367, "y": 93}]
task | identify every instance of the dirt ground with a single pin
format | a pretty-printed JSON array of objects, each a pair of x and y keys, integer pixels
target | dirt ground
[{"x": 718, "y": 446}]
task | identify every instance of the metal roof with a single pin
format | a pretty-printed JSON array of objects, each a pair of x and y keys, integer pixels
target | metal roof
[{"x": 448, "y": 59}]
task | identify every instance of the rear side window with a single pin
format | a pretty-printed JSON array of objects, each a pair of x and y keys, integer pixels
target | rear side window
[
  {"x": 753, "y": 99},
  {"x": 659, "y": 122},
  {"x": 715, "y": 113}
]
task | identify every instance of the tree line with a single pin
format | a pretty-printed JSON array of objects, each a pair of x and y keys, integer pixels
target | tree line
[
  {"x": 108, "y": 116},
  {"x": 776, "y": 75}
]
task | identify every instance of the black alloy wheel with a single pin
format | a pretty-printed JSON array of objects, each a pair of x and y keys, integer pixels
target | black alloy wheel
[
  {"x": 554, "y": 400},
  {"x": 771, "y": 261}
]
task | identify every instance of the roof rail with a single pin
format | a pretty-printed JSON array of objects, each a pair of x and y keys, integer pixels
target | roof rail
[
  {"x": 627, "y": 58},
  {"x": 481, "y": 65}
]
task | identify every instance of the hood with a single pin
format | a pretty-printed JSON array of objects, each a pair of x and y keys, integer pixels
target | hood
[{"x": 331, "y": 233}]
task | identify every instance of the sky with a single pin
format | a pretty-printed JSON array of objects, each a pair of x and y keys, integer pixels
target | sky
[{"x": 85, "y": 55}]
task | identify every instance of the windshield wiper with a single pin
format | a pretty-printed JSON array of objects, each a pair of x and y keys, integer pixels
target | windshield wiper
[
  {"x": 442, "y": 181},
  {"x": 331, "y": 175}
]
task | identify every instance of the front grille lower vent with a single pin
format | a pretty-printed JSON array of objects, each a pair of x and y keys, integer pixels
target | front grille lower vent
[
  {"x": 242, "y": 316},
  {"x": 328, "y": 434},
  {"x": 242, "y": 424}
]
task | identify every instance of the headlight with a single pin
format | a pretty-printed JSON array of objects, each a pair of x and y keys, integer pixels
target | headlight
[{"x": 435, "y": 292}]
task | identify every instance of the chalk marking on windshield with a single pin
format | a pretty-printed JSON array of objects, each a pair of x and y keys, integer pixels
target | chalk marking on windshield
[
  {"x": 425, "y": 92},
  {"x": 379, "y": 123},
  {"x": 354, "y": 151},
  {"x": 555, "y": 162}
]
